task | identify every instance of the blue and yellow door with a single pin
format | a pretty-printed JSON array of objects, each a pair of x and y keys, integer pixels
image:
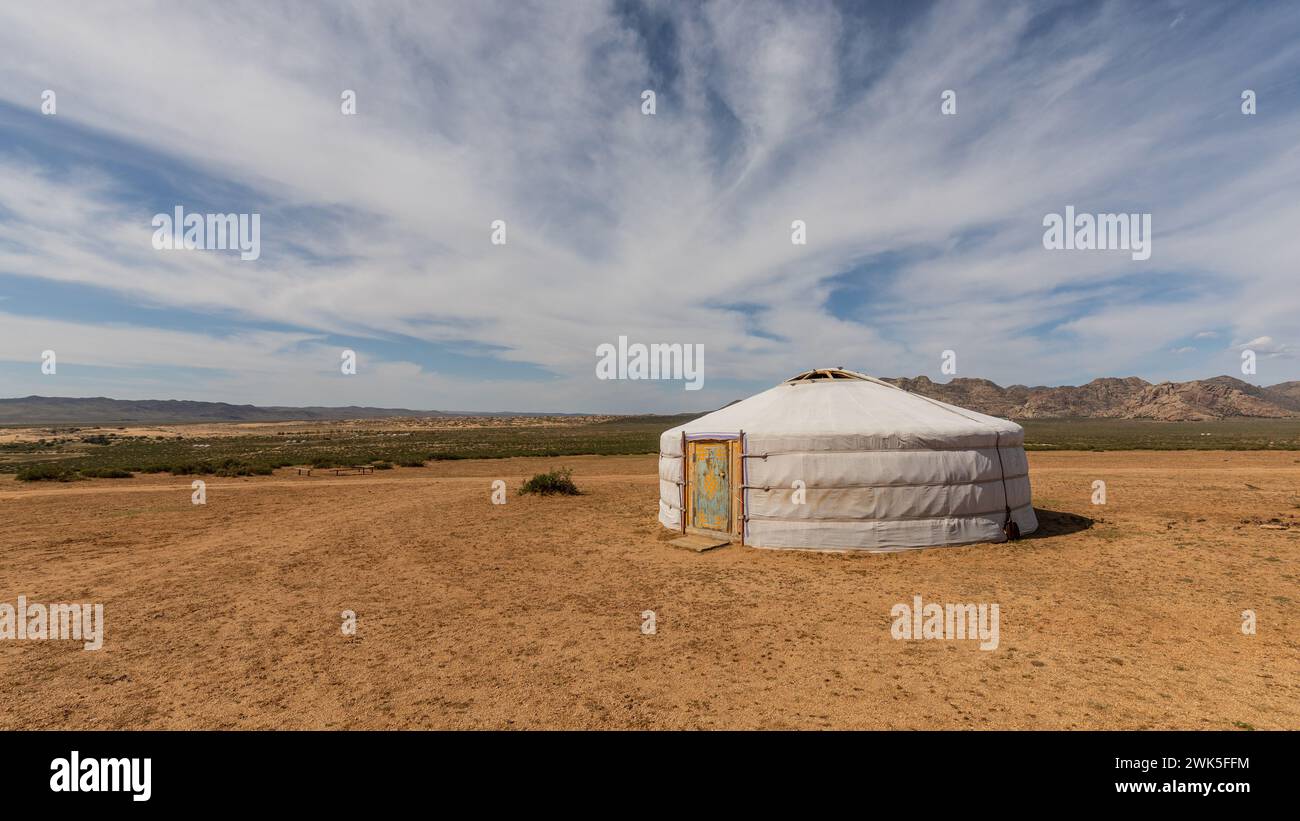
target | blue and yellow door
[{"x": 713, "y": 487}]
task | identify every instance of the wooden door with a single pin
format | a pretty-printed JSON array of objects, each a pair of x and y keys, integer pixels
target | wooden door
[{"x": 713, "y": 486}]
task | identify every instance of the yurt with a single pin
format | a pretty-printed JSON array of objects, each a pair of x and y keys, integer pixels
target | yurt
[{"x": 832, "y": 459}]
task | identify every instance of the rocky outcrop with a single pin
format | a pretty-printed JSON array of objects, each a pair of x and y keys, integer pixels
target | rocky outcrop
[{"x": 1117, "y": 398}]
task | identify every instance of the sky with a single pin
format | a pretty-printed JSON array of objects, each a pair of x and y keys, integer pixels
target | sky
[{"x": 924, "y": 230}]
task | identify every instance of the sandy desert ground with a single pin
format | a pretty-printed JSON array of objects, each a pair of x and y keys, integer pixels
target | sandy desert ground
[{"x": 528, "y": 615}]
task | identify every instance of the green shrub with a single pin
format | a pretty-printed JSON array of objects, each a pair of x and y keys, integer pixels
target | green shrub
[
  {"x": 236, "y": 467},
  {"x": 106, "y": 473},
  {"x": 552, "y": 482},
  {"x": 46, "y": 473}
]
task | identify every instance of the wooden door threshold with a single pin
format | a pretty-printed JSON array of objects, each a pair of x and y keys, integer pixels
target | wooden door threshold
[{"x": 700, "y": 543}]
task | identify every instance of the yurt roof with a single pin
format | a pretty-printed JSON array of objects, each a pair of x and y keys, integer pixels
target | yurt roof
[{"x": 856, "y": 409}]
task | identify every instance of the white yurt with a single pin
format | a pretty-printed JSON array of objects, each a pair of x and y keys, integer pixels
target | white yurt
[{"x": 834, "y": 459}]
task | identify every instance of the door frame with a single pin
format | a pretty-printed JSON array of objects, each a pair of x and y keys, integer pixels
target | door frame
[{"x": 735, "y": 479}]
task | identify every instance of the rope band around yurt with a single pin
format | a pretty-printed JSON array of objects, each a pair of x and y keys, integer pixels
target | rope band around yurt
[{"x": 1009, "y": 526}]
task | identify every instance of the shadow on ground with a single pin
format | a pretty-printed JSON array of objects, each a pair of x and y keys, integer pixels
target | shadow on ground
[{"x": 1058, "y": 523}]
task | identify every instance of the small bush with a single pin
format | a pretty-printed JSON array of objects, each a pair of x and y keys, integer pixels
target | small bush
[
  {"x": 382, "y": 465},
  {"x": 234, "y": 467},
  {"x": 187, "y": 469},
  {"x": 419, "y": 463},
  {"x": 46, "y": 473},
  {"x": 555, "y": 481},
  {"x": 106, "y": 473}
]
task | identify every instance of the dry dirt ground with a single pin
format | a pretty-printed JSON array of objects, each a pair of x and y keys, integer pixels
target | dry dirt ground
[{"x": 528, "y": 615}]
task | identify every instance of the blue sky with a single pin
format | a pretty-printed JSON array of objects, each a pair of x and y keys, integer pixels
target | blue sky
[{"x": 924, "y": 230}]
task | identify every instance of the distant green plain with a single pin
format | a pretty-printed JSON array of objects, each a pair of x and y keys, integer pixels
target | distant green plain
[
  {"x": 1146, "y": 434},
  {"x": 67, "y": 454}
]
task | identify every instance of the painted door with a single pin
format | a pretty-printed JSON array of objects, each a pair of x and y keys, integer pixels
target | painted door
[{"x": 711, "y": 486}]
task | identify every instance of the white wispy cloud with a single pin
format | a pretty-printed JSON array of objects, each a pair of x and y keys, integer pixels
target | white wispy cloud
[{"x": 652, "y": 227}]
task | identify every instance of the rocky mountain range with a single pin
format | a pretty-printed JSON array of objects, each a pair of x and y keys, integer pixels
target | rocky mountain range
[
  {"x": 46, "y": 410},
  {"x": 99, "y": 410},
  {"x": 1114, "y": 398},
  {"x": 1110, "y": 398}
]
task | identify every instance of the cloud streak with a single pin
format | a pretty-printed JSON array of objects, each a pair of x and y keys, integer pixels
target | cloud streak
[{"x": 924, "y": 230}]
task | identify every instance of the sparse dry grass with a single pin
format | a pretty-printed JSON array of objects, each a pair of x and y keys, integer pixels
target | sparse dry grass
[{"x": 528, "y": 614}]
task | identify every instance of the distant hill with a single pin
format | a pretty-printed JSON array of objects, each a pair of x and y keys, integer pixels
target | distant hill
[
  {"x": 1286, "y": 392},
  {"x": 1110, "y": 398},
  {"x": 40, "y": 410}
]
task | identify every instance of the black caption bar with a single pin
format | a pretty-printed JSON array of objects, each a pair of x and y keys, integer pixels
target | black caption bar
[{"x": 142, "y": 771}]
